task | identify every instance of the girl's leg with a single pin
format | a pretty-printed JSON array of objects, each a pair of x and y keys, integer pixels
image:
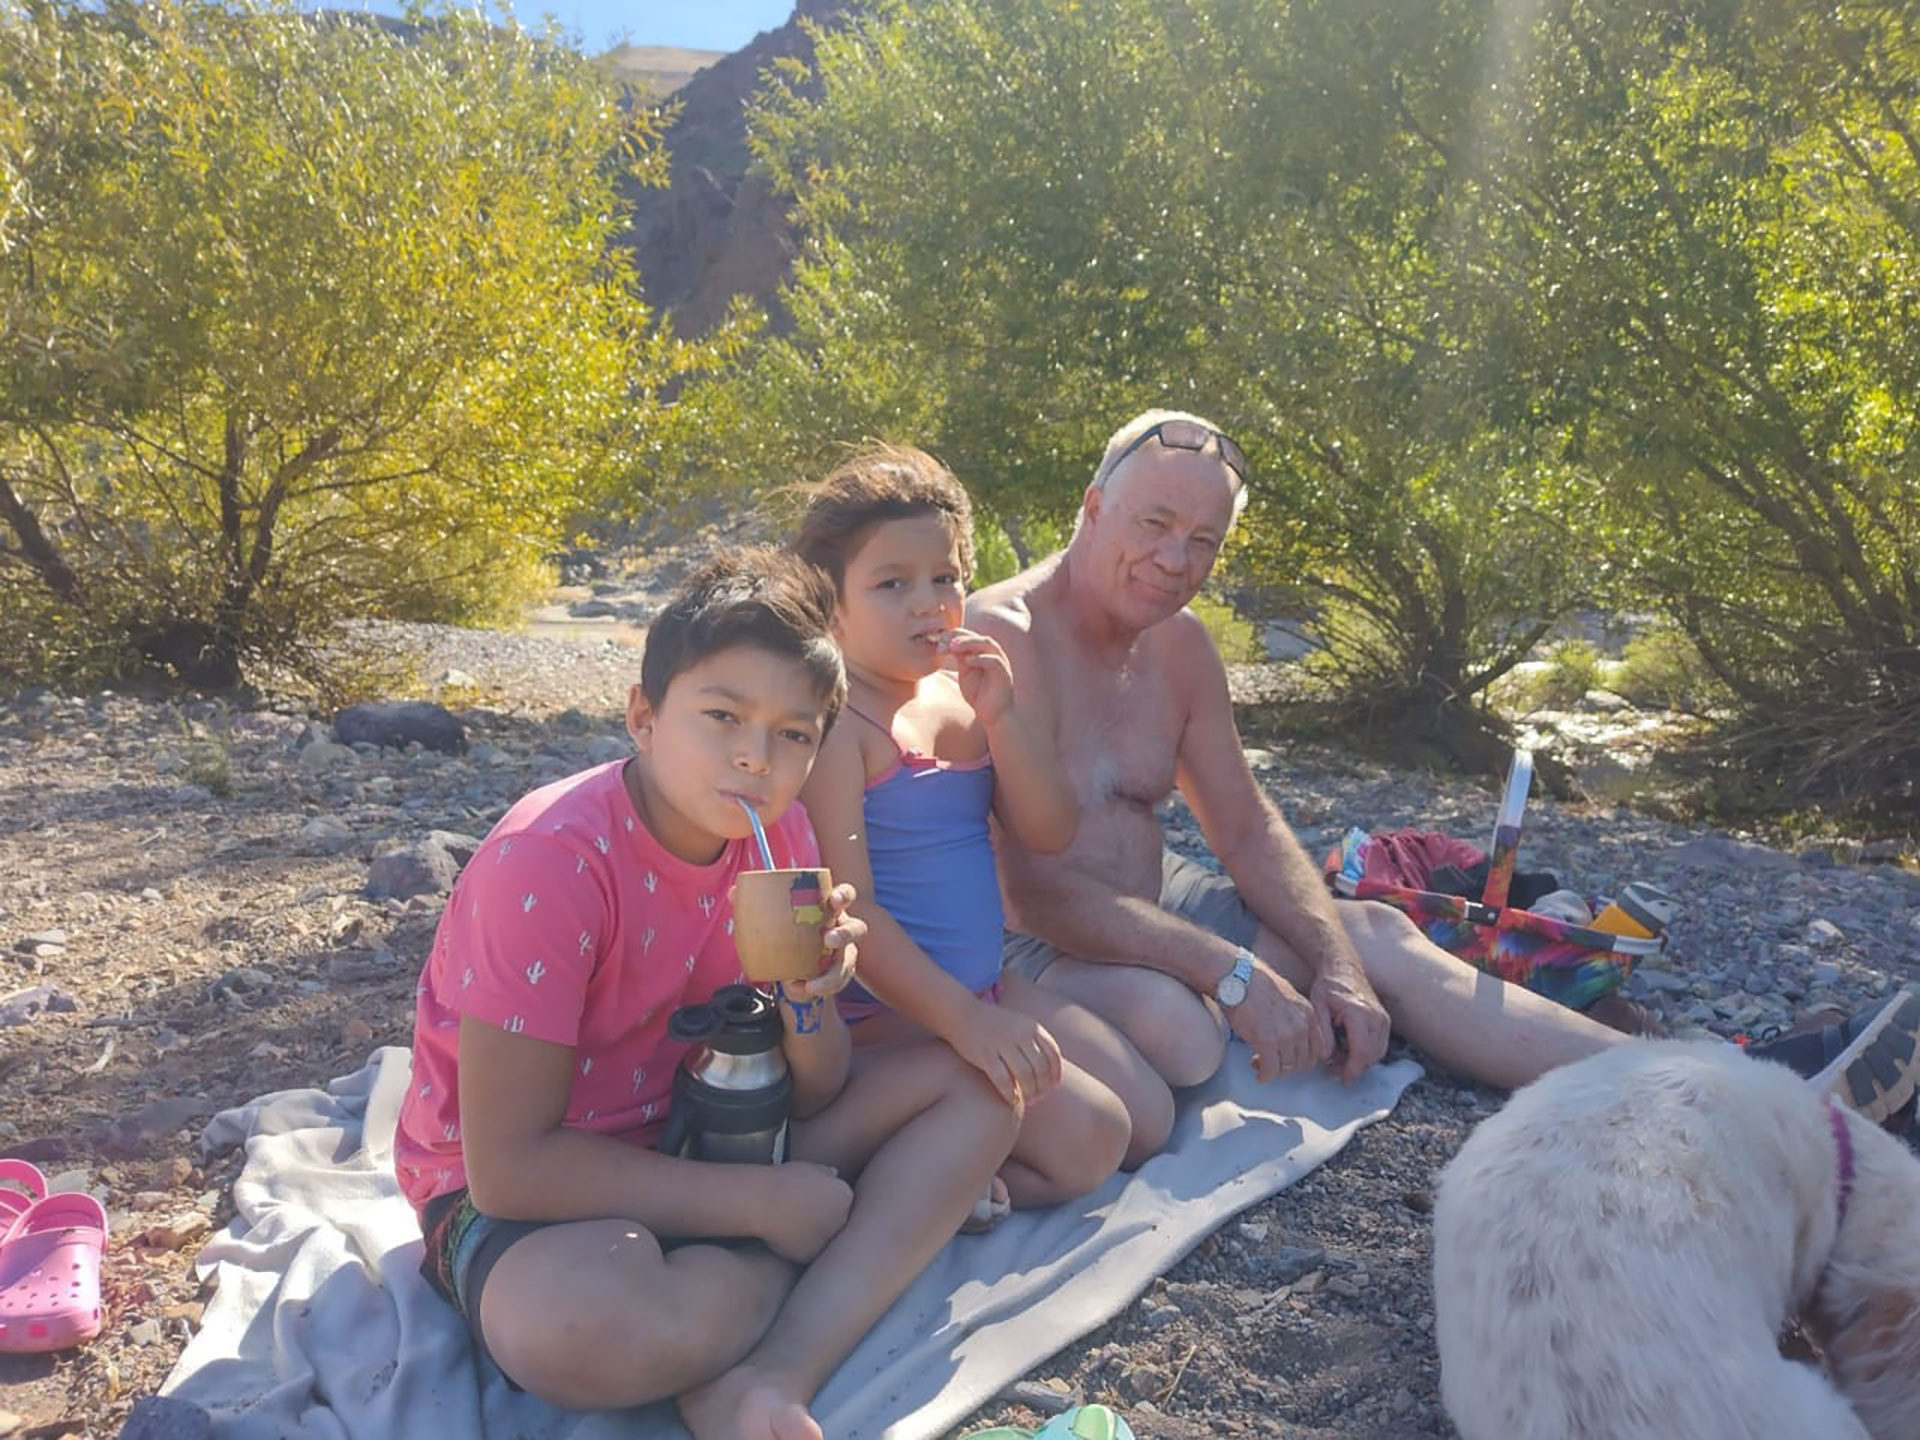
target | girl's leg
[
  {"x": 592, "y": 1316},
  {"x": 1092, "y": 1045},
  {"x": 1071, "y": 1138},
  {"x": 924, "y": 1133}
]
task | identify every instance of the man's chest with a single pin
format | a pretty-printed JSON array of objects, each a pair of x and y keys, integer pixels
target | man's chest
[{"x": 1118, "y": 731}]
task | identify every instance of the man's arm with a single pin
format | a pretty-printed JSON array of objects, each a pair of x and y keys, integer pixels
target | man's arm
[
  {"x": 1268, "y": 867},
  {"x": 1243, "y": 827}
]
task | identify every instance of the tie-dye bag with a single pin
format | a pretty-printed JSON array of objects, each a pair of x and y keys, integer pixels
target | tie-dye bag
[{"x": 1572, "y": 964}]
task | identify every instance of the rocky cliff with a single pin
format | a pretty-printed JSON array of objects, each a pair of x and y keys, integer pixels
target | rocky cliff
[{"x": 719, "y": 230}]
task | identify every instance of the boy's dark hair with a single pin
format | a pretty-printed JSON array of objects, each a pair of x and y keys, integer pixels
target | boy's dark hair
[
  {"x": 885, "y": 482},
  {"x": 757, "y": 596}
]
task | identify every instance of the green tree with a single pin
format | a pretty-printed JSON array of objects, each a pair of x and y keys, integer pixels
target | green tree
[
  {"x": 1026, "y": 221},
  {"x": 301, "y": 317},
  {"x": 1727, "y": 201}
]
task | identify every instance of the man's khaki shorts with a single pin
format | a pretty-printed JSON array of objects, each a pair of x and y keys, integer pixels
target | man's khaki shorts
[{"x": 1187, "y": 889}]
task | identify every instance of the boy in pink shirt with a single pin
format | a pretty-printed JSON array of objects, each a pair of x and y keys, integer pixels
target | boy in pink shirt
[{"x": 581, "y": 1257}]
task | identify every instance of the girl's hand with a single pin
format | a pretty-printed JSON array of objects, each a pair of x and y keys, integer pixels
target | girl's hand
[
  {"x": 841, "y": 937},
  {"x": 985, "y": 674},
  {"x": 1015, "y": 1052}
]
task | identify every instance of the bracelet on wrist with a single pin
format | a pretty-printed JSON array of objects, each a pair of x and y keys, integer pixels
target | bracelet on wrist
[{"x": 806, "y": 1013}]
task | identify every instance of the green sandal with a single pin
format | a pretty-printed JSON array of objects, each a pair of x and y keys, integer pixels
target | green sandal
[{"x": 1083, "y": 1422}]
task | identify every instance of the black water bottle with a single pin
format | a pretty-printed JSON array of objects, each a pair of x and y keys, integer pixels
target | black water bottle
[{"x": 732, "y": 1094}]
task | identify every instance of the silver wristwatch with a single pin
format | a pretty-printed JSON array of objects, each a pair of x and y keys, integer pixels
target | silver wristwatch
[{"x": 1232, "y": 988}]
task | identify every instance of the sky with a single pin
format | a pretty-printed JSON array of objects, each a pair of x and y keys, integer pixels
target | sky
[
  {"x": 694, "y": 24},
  {"x": 602, "y": 24}
]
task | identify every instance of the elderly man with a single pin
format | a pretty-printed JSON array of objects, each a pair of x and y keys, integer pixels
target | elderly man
[{"x": 1105, "y": 652}]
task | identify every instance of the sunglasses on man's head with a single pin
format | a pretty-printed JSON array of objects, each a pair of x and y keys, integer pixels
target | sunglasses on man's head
[{"x": 1187, "y": 435}]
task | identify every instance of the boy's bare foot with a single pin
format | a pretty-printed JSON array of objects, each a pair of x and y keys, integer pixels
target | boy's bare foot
[{"x": 746, "y": 1404}]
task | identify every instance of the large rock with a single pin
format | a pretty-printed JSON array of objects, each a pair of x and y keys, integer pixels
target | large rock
[
  {"x": 326, "y": 835},
  {"x": 456, "y": 844},
  {"x": 135, "y": 1135},
  {"x": 23, "y": 1006},
  {"x": 427, "y": 867},
  {"x": 399, "y": 723},
  {"x": 604, "y": 749},
  {"x": 162, "y": 1417},
  {"x": 1724, "y": 853}
]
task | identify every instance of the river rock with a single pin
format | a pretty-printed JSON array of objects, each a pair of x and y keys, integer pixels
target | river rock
[
  {"x": 396, "y": 724},
  {"x": 424, "y": 868}
]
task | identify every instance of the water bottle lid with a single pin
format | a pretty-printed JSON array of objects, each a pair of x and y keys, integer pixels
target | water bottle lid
[
  {"x": 691, "y": 1024},
  {"x": 738, "y": 1020}
]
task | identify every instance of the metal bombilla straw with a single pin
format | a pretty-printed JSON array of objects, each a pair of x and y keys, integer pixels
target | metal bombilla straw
[{"x": 759, "y": 834}]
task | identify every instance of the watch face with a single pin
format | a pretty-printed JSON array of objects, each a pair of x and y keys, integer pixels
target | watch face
[{"x": 1230, "y": 991}]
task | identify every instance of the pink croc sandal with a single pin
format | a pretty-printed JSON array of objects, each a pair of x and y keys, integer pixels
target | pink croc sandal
[
  {"x": 21, "y": 1183},
  {"x": 50, "y": 1275}
]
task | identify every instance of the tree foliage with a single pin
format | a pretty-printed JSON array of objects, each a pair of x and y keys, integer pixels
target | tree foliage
[
  {"x": 301, "y": 316},
  {"x": 1027, "y": 221},
  {"x": 1726, "y": 198},
  {"x": 1514, "y": 306}
]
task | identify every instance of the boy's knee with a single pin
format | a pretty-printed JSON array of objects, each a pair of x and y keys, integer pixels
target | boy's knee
[{"x": 626, "y": 1340}]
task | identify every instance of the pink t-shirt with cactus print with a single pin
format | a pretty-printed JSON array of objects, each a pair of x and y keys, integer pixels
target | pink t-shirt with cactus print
[{"x": 572, "y": 924}]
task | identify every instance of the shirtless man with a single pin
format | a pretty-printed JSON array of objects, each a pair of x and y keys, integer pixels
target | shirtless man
[{"x": 1106, "y": 653}]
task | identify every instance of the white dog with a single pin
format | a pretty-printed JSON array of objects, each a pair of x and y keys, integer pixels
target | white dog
[{"x": 1617, "y": 1252}]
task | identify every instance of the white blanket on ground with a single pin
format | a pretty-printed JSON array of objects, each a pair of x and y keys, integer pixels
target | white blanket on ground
[{"x": 323, "y": 1329}]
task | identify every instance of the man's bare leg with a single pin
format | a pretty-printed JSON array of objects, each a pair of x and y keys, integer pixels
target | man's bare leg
[
  {"x": 1467, "y": 1020},
  {"x": 1102, "y": 1051},
  {"x": 1471, "y": 1022},
  {"x": 1178, "y": 1034},
  {"x": 924, "y": 1133}
]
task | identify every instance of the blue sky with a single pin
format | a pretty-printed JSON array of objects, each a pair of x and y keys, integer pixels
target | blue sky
[
  {"x": 601, "y": 24},
  {"x": 695, "y": 24}
]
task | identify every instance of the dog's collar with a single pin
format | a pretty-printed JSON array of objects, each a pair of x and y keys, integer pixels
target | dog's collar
[{"x": 1843, "y": 1147}]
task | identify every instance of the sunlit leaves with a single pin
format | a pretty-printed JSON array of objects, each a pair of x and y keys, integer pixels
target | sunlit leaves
[
  {"x": 1026, "y": 222},
  {"x": 312, "y": 314}
]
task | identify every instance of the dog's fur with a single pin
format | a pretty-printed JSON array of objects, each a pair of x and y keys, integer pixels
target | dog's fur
[{"x": 1617, "y": 1252}]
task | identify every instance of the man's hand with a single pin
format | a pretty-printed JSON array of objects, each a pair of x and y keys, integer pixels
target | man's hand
[
  {"x": 984, "y": 673},
  {"x": 806, "y": 1207},
  {"x": 1014, "y": 1051},
  {"x": 1343, "y": 1000},
  {"x": 1284, "y": 1031}
]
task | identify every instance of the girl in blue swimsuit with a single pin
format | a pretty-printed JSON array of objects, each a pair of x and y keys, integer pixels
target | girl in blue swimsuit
[{"x": 931, "y": 746}]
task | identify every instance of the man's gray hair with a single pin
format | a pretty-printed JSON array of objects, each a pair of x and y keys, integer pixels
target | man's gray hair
[{"x": 1145, "y": 421}]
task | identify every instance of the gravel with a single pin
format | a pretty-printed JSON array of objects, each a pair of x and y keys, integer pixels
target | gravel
[{"x": 194, "y": 880}]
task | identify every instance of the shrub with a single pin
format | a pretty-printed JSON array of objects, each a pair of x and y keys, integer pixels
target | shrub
[{"x": 302, "y": 316}]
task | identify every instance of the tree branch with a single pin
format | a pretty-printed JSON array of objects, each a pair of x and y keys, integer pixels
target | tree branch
[{"x": 35, "y": 548}]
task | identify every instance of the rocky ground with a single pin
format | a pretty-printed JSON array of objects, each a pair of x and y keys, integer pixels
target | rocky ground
[{"x": 185, "y": 923}]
